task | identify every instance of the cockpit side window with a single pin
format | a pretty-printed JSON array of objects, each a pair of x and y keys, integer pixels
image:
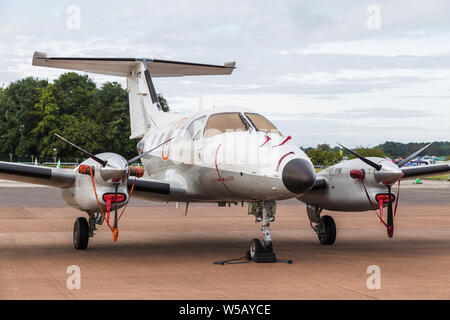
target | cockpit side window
[
  {"x": 223, "y": 122},
  {"x": 192, "y": 132},
  {"x": 261, "y": 123}
]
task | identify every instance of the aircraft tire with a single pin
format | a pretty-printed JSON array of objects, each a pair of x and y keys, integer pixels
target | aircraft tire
[
  {"x": 80, "y": 234},
  {"x": 328, "y": 237},
  {"x": 256, "y": 248}
]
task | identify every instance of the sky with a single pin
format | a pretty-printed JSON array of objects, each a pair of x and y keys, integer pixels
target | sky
[{"x": 355, "y": 72}]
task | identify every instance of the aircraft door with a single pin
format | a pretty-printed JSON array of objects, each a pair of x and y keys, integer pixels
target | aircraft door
[{"x": 194, "y": 133}]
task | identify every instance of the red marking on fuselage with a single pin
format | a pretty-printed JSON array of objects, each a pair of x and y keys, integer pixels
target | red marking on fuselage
[
  {"x": 267, "y": 140},
  {"x": 281, "y": 159},
  {"x": 221, "y": 179},
  {"x": 230, "y": 178},
  {"x": 285, "y": 140}
]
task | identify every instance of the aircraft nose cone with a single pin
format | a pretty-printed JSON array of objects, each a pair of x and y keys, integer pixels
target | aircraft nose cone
[{"x": 298, "y": 176}]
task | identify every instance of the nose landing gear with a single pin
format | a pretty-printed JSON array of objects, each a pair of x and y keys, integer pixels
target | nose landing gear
[{"x": 264, "y": 212}]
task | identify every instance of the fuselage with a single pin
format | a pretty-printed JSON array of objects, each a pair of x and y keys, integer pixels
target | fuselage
[{"x": 227, "y": 154}]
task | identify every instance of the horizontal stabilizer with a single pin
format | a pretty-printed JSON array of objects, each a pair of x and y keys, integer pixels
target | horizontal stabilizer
[{"x": 124, "y": 66}]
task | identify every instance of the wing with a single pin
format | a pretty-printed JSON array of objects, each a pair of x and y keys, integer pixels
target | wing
[
  {"x": 124, "y": 66},
  {"x": 423, "y": 171},
  {"x": 149, "y": 189},
  {"x": 53, "y": 177}
]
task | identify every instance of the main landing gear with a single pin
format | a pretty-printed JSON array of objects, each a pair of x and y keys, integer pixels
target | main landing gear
[
  {"x": 83, "y": 230},
  {"x": 264, "y": 212},
  {"x": 324, "y": 227}
]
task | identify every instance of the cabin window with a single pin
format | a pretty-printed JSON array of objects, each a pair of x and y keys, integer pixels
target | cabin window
[
  {"x": 153, "y": 141},
  {"x": 261, "y": 123},
  {"x": 160, "y": 140},
  {"x": 223, "y": 122}
]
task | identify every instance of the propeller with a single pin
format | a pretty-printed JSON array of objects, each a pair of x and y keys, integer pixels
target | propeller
[
  {"x": 115, "y": 170},
  {"x": 412, "y": 156},
  {"x": 387, "y": 175},
  {"x": 90, "y": 155},
  {"x": 363, "y": 159}
]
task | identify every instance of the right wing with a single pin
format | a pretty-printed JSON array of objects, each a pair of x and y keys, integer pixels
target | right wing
[{"x": 423, "y": 171}]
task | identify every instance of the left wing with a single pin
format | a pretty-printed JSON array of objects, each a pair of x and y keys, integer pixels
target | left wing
[
  {"x": 52, "y": 177},
  {"x": 423, "y": 171}
]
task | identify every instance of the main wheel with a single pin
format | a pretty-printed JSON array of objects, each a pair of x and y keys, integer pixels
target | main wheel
[
  {"x": 328, "y": 233},
  {"x": 80, "y": 234},
  {"x": 256, "y": 247}
]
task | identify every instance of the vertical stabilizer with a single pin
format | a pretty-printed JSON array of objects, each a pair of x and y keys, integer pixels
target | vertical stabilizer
[{"x": 144, "y": 109}]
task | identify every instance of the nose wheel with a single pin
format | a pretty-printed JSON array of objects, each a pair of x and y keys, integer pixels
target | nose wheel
[{"x": 81, "y": 234}]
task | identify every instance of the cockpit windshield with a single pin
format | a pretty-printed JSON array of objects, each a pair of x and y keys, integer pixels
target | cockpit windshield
[
  {"x": 223, "y": 122},
  {"x": 261, "y": 123}
]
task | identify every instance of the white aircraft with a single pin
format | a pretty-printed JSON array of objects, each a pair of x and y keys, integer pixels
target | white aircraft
[{"x": 223, "y": 155}]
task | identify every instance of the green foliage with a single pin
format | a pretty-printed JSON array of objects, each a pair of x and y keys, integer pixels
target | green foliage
[
  {"x": 398, "y": 149},
  {"x": 323, "y": 155},
  {"x": 49, "y": 122},
  {"x": 163, "y": 103},
  {"x": 368, "y": 152},
  {"x": 17, "y": 118},
  {"x": 97, "y": 119}
]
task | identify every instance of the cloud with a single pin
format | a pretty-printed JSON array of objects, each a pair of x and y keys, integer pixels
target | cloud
[
  {"x": 413, "y": 45},
  {"x": 315, "y": 62}
]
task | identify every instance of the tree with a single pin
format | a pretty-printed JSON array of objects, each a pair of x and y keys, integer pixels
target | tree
[
  {"x": 163, "y": 103},
  {"x": 47, "y": 111},
  {"x": 82, "y": 131},
  {"x": 323, "y": 155},
  {"x": 112, "y": 112},
  {"x": 368, "y": 152},
  {"x": 75, "y": 93},
  {"x": 16, "y": 116}
]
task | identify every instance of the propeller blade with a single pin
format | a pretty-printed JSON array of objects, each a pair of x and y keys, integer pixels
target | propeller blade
[
  {"x": 363, "y": 159},
  {"x": 133, "y": 160},
  {"x": 390, "y": 219},
  {"x": 116, "y": 186},
  {"x": 415, "y": 154},
  {"x": 90, "y": 155}
]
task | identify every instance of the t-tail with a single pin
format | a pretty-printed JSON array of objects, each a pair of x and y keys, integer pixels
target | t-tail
[{"x": 145, "y": 110}]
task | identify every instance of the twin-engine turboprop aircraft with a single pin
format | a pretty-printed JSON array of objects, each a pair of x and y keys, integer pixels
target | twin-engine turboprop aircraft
[{"x": 223, "y": 155}]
